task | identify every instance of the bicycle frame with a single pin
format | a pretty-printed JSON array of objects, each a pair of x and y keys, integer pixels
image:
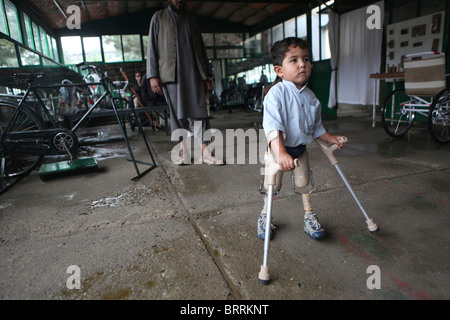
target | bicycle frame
[
  {"x": 46, "y": 149},
  {"x": 49, "y": 138}
]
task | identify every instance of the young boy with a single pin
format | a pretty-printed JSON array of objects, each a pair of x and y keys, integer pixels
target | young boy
[{"x": 292, "y": 119}]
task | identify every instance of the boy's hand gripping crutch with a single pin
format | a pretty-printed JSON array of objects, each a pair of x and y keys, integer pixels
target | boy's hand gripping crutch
[
  {"x": 270, "y": 170},
  {"x": 328, "y": 150}
]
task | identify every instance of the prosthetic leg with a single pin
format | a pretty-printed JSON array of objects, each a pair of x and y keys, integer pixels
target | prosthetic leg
[{"x": 328, "y": 150}]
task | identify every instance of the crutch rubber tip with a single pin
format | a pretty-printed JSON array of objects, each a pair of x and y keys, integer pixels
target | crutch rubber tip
[
  {"x": 263, "y": 282},
  {"x": 372, "y": 226},
  {"x": 263, "y": 276}
]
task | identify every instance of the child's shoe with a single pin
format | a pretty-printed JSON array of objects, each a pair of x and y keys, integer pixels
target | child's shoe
[
  {"x": 312, "y": 226},
  {"x": 261, "y": 231}
]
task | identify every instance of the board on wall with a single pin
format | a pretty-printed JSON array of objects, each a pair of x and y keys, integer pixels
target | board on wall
[{"x": 416, "y": 35}]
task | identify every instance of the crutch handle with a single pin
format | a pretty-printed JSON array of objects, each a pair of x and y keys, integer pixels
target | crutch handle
[
  {"x": 272, "y": 167},
  {"x": 330, "y": 149}
]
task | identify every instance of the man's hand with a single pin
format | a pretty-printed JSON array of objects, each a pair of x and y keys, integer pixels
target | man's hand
[{"x": 156, "y": 86}]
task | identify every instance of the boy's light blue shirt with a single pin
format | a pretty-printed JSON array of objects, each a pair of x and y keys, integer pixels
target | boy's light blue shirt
[{"x": 295, "y": 112}]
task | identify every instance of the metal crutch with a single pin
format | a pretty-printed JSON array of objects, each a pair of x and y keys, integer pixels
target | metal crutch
[
  {"x": 270, "y": 171},
  {"x": 329, "y": 150}
]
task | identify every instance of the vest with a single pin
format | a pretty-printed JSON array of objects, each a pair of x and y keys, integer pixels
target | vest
[{"x": 167, "y": 47}]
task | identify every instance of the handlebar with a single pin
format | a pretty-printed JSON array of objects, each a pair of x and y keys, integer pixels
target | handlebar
[{"x": 92, "y": 69}]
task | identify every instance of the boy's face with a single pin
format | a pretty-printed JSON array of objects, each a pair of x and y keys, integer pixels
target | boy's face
[{"x": 296, "y": 66}]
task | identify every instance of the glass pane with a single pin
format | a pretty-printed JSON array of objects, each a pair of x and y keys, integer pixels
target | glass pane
[
  {"x": 43, "y": 41},
  {"x": 55, "y": 50},
  {"x": 37, "y": 41},
  {"x": 277, "y": 33},
  {"x": 27, "y": 22},
  {"x": 325, "y": 44},
  {"x": 92, "y": 49},
  {"x": 3, "y": 22},
  {"x": 8, "y": 58},
  {"x": 289, "y": 28},
  {"x": 72, "y": 51},
  {"x": 210, "y": 53},
  {"x": 250, "y": 47},
  {"x": 228, "y": 39},
  {"x": 302, "y": 31},
  {"x": 50, "y": 49},
  {"x": 132, "y": 47},
  {"x": 229, "y": 53},
  {"x": 13, "y": 21},
  {"x": 28, "y": 58},
  {"x": 112, "y": 48},
  {"x": 145, "y": 44},
  {"x": 48, "y": 62},
  {"x": 208, "y": 39},
  {"x": 315, "y": 35}
]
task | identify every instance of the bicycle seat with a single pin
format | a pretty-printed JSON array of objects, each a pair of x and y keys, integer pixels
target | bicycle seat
[{"x": 27, "y": 77}]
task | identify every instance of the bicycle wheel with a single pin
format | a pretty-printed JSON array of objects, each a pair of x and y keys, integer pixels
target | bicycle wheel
[
  {"x": 439, "y": 117},
  {"x": 17, "y": 163},
  {"x": 396, "y": 118}
]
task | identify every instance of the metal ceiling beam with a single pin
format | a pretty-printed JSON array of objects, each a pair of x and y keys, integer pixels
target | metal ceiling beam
[
  {"x": 85, "y": 10},
  {"x": 105, "y": 4},
  {"x": 60, "y": 9}
]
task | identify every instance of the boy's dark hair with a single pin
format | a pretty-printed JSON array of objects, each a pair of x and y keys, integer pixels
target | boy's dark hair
[{"x": 279, "y": 49}]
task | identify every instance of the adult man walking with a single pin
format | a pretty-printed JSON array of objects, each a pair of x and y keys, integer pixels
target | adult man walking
[{"x": 177, "y": 66}]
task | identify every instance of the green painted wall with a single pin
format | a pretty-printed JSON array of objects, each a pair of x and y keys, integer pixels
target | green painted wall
[{"x": 320, "y": 84}]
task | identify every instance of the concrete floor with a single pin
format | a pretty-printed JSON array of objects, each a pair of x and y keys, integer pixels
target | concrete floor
[{"x": 189, "y": 232}]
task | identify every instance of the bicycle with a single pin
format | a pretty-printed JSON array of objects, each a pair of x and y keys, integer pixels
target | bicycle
[
  {"x": 425, "y": 93},
  {"x": 27, "y": 133}
]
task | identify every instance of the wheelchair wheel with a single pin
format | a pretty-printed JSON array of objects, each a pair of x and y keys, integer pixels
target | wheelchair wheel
[
  {"x": 396, "y": 119},
  {"x": 439, "y": 117}
]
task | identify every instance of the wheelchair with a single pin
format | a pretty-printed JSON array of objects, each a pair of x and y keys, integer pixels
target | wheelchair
[{"x": 425, "y": 93}]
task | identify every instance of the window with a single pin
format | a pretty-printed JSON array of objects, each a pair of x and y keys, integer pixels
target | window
[
  {"x": 324, "y": 40},
  {"x": 13, "y": 21},
  {"x": 132, "y": 47},
  {"x": 55, "y": 50},
  {"x": 92, "y": 49},
  {"x": 319, "y": 32},
  {"x": 3, "y": 21},
  {"x": 253, "y": 45},
  {"x": 229, "y": 53},
  {"x": 28, "y": 58},
  {"x": 28, "y": 30},
  {"x": 302, "y": 29},
  {"x": 228, "y": 39},
  {"x": 145, "y": 43},
  {"x": 277, "y": 33},
  {"x": 72, "y": 50},
  {"x": 37, "y": 40},
  {"x": 289, "y": 28},
  {"x": 8, "y": 58},
  {"x": 208, "y": 39},
  {"x": 112, "y": 48},
  {"x": 43, "y": 38}
]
